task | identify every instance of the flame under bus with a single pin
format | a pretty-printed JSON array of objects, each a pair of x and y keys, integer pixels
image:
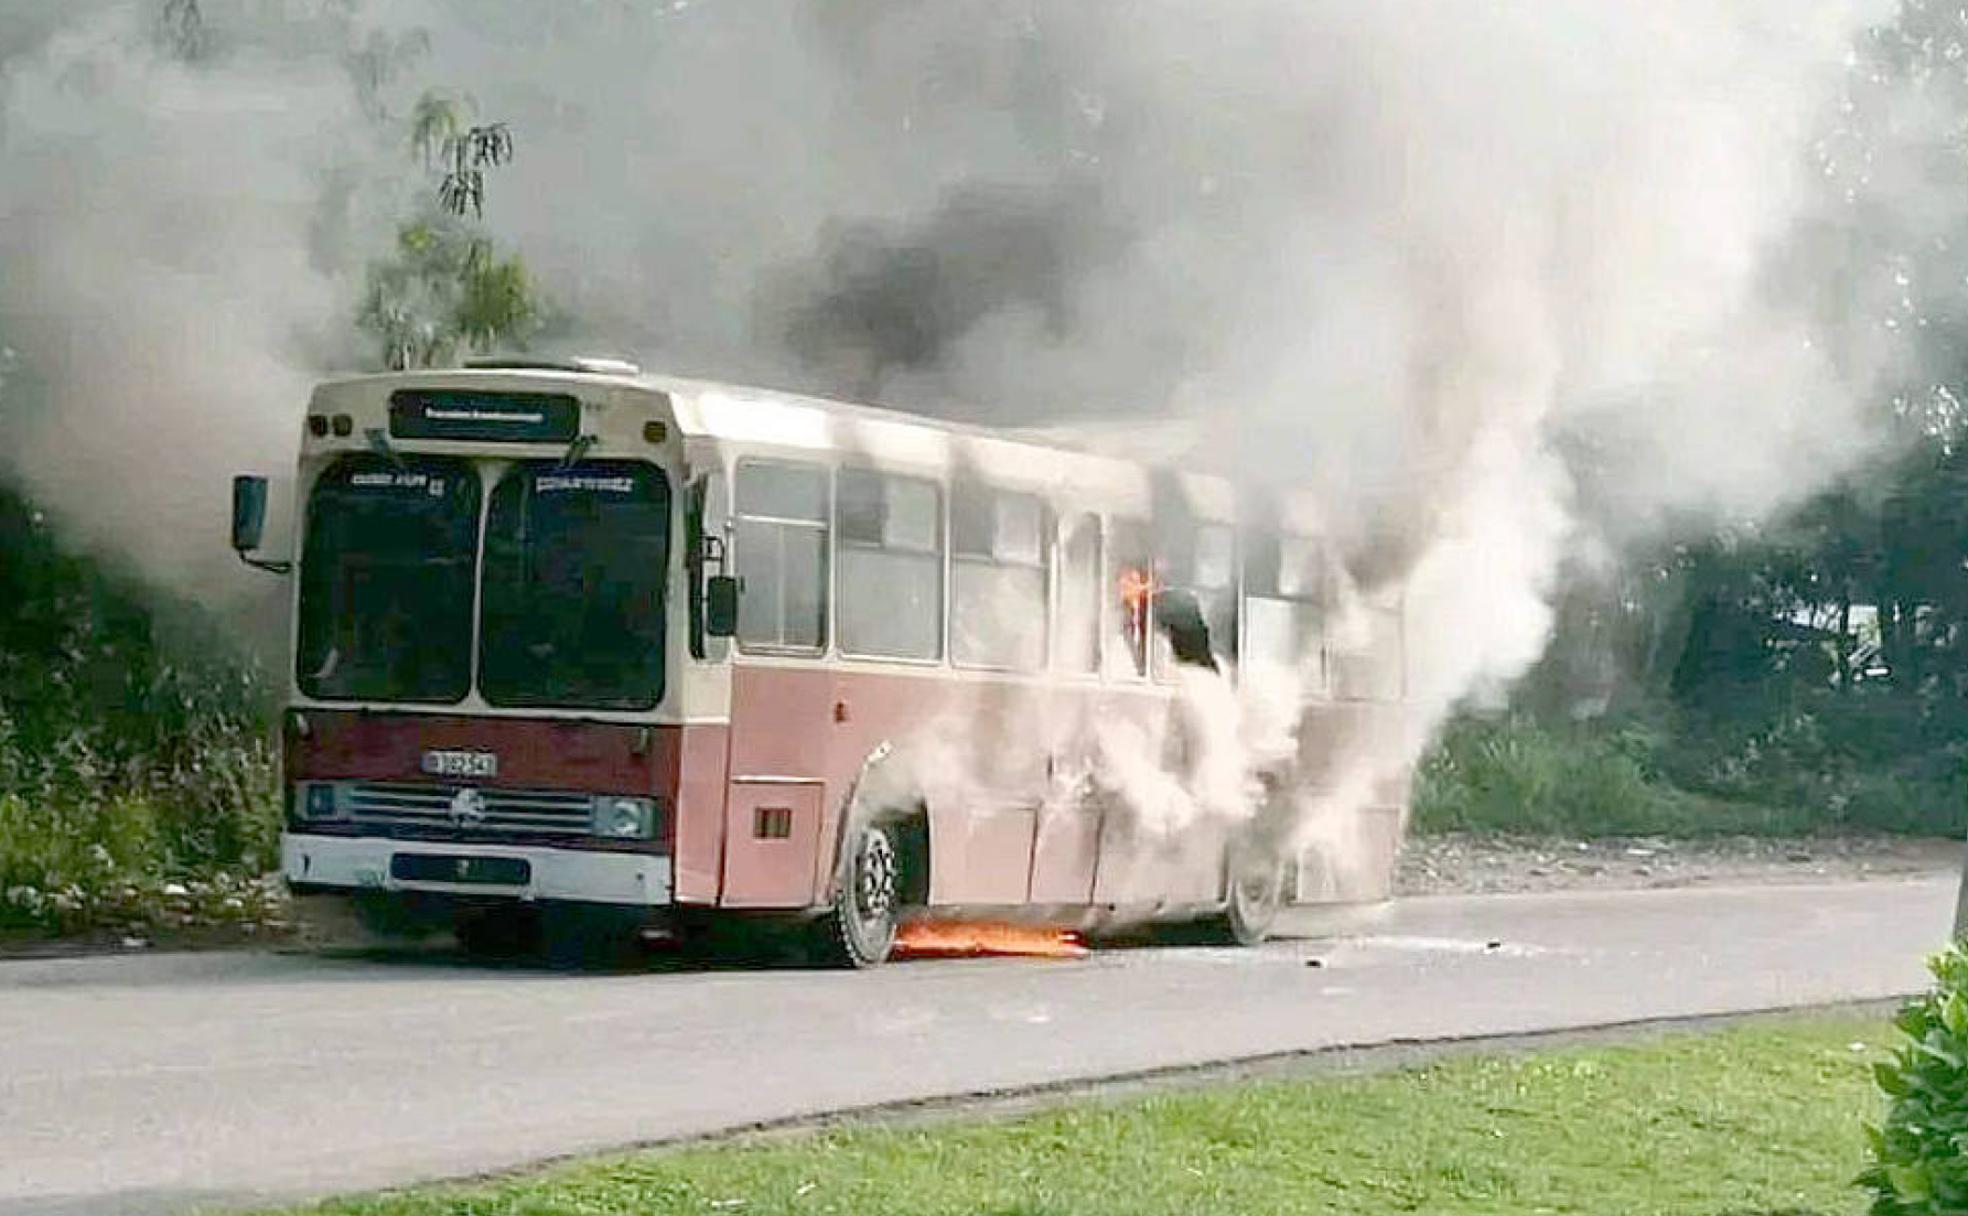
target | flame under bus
[{"x": 512, "y": 686}]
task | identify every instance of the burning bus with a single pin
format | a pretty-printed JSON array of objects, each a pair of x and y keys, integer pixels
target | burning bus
[{"x": 575, "y": 637}]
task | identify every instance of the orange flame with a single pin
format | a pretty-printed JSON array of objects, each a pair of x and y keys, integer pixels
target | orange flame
[
  {"x": 1137, "y": 586},
  {"x": 970, "y": 939}
]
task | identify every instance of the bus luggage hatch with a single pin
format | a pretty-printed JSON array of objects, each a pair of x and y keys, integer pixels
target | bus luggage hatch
[{"x": 771, "y": 844}]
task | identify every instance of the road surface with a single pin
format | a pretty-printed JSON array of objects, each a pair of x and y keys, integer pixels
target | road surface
[{"x": 173, "y": 1083}]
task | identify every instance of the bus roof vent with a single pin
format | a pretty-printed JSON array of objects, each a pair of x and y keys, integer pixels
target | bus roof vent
[{"x": 582, "y": 363}]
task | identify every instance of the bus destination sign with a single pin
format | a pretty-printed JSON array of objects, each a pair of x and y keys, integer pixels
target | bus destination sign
[{"x": 479, "y": 416}]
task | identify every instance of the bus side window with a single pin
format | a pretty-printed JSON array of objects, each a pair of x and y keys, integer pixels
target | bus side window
[
  {"x": 1367, "y": 663},
  {"x": 781, "y": 556},
  {"x": 1080, "y": 597},
  {"x": 1203, "y": 567},
  {"x": 1215, "y": 578},
  {"x": 1132, "y": 576},
  {"x": 706, "y": 520},
  {"x": 999, "y": 550},
  {"x": 1284, "y": 625},
  {"x": 891, "y": 565}
]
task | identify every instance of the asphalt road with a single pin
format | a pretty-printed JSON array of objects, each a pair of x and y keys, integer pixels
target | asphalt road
[{"x": 171, "y": 1083}]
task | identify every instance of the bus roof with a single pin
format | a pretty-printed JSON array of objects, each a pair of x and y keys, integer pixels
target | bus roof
[{"x": 1102, "y": 449}]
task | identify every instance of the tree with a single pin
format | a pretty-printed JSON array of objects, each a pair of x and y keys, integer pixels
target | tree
[
  {"x": 446, "y": 285},
  {"x": 182, "y": 29}
]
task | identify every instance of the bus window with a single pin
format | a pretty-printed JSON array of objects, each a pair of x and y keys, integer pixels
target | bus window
[
  {"x": 1369, "y": 664},
  {"x": 998, "y": 579},
  {"x": 1133, "y": 574},
  {"x": 576, "y": 560},
  {"x": 1205, "y": 568},
  {"x": 1216, "y": 585},
  {"x": 386, "y": 580},
  {"x": 781, "y": 556},
  {"x": 1079, "y": 597},
  {"x": 1283, "y": 618},
  {"x": 891, "y": 566}
]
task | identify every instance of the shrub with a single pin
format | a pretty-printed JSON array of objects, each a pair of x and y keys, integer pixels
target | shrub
[
  {"x": 1513, "y": 774},
  {"x": 135, "y": 755},
  {"x": 1919, "y": 1167},
  {"x": 1668, "y": 774}
]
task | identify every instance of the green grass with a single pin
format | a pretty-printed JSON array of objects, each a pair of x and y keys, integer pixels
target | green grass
[{"x": 1758, "y": 1119}]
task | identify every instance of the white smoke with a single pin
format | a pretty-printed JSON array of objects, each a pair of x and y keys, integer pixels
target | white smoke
[
  {"x": 158, "y": 280},
  {"x": 1401, "y": 254}
]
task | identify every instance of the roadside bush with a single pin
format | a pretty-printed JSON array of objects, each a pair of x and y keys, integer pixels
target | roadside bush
[
  {"x": 1862, "y": 762},
  {"x": 1919, "y": 1167},
  {"x": 136, "y": 767},
  {"x": 1513, "y": 774},
  {"x": 1802, "y": 771}
]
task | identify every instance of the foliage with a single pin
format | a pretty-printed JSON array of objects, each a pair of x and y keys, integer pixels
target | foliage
[
  {"x": 1513, "y": 774},
  {"x": 1756, "y": 1119},
  {"x": 1919, "y": 1166},
  {"x": 181, "y": 29},
  {"x": 124, "y": 761},
  {"x": 446, "y": 286},
  {"x": 458, "y": 150},
  {"x": 1683, "y": 774}
]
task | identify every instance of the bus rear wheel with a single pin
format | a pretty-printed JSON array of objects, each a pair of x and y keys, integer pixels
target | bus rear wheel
[
  {"x": 1256, "y": 894},
  {"x": 859, "y": 930}
]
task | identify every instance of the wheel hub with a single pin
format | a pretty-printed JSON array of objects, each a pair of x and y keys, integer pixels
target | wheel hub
[{"x": 874, "y": 876}]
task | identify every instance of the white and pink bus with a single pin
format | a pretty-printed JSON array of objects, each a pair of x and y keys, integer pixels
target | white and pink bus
[{"x": 573, "y": 636}]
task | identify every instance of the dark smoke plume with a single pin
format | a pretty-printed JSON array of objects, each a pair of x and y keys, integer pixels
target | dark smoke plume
[{"x": 885, "y": 299}]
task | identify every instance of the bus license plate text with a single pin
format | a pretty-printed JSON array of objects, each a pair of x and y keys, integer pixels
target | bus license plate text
[{"x": 444, "y": 763}]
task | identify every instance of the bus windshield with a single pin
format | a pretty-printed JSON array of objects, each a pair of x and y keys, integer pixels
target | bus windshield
[
  {"x": 575, "y": 557},
  {"x": 386, "y": 580}
]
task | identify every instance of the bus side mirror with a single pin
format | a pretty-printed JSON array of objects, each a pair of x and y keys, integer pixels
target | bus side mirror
[
  {"x": 721, "y": 606},
  {"x": 249, "y": 501}
]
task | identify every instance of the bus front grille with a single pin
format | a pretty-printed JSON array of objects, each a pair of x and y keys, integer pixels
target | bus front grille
[{"x": 536, "y": 812}]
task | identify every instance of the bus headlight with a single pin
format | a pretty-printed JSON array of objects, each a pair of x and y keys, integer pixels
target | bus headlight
[
  {"x": 318, "y": 801},
  {"x": 624, "y": 818}
]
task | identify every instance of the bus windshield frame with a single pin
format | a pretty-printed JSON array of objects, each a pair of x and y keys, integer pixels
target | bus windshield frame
[
  {"x": 388, "y": 562},
  {"x": 574, "y": 610},
  {"x": 564, "y": 568}
]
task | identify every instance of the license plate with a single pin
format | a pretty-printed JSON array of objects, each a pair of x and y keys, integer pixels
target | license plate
[
  {"x": 462, "y": 871},
  {"x": 452, "y": 763}
]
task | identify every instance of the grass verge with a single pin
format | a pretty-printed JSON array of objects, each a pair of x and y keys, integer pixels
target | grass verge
[{"x": 1754, "y": 1120}]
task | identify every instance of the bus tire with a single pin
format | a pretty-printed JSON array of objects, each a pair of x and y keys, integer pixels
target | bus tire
[
  {"x": 1256, "y": 894},
  {"x": 859, "y": 930}
]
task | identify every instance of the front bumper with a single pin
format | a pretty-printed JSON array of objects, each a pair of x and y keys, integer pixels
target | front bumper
[{"x": 369, "y": 863}]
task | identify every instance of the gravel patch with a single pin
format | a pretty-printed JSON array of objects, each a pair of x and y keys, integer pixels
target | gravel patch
[{"x": 1479, "y": 865}]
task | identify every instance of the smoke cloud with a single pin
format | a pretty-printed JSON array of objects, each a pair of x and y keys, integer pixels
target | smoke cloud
[
  {"x": 159, "y": 285},
  {"x": 1414, "y": 257}
]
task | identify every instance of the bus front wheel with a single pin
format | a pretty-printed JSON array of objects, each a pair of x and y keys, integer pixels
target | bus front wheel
[{"x": 859, "y": 930}]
